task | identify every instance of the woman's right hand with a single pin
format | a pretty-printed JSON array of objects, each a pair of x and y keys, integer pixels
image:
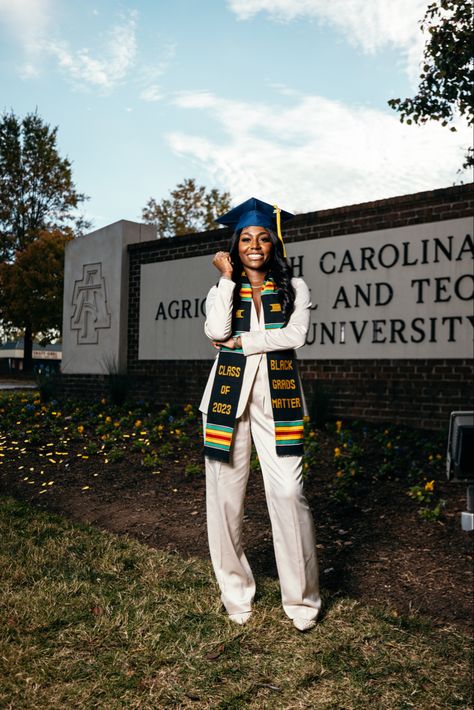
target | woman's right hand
[{"x": 223, "y": 263}]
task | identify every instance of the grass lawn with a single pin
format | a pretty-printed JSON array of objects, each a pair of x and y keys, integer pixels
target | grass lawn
[{"x": 91, "y": 620}]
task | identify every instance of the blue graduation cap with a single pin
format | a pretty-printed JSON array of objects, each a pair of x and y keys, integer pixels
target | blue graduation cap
[{"x": 256, "y": 213}]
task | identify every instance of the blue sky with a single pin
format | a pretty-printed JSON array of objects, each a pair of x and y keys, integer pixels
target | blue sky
[{"x": 285, "y": 100}]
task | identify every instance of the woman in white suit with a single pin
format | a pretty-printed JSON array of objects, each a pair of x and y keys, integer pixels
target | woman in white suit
[{"x": 256, "y": 317}]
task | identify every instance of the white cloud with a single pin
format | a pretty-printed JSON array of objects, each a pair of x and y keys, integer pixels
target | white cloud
[
  {"x": 107, "y": 68},
  {"x": 314, "y": 153},
  {"x": 368, "y": 24},
  {"x": 152, "y": 93},
  {"x": 29, "y": 71},
  {"x": 195, "y": 99},
  {"x": 27, "y": 21},
  {"x": 150, "y": 73}
]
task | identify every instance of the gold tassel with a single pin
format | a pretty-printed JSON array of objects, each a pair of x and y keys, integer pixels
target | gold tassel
[{"x": 277, "y": 211}]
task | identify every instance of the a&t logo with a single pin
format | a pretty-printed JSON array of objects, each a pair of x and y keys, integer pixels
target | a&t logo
[{"x": 90, "y": 305}]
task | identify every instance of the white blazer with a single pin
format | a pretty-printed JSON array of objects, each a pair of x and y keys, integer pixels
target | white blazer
[{"x": 257, "y": 340}]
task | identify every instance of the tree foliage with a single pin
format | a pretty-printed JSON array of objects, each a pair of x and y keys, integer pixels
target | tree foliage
[
  {"x": 31, "y": 286},
  {"x": 190, "y": 208},
  {"x": 38, "y": 214},
  {"x": 36, "y": 188},
  {"x": 446, "y": 80}
]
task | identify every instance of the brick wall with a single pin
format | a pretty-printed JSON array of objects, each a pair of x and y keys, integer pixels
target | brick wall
[{"x": 417, "y": 392}]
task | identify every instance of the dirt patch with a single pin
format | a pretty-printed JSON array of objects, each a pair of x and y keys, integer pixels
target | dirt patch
[{"x": 374, "y": 547}]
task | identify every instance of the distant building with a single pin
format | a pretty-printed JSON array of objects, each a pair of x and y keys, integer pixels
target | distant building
[{"x": 45, "y": 358}]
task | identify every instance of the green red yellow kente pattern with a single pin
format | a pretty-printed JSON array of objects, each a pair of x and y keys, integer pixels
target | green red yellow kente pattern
[
  {"x": 289, "y": 433},
  {"x": 218, "y": 437}
]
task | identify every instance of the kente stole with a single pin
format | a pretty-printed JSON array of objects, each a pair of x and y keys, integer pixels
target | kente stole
[{"x": 285, "y": 389}]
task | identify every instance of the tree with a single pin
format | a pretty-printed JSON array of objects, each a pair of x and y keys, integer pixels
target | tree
[
  {"x": 31, "y": 287},
  {"x": 447, "y": 77},
  {"x": 37, "y": 194},
  {"x": 190, "y": 208},
  {"x": 36, "y": 188}
]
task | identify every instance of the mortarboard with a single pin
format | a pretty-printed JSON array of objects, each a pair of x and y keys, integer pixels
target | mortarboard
[{"x": 256, "y": 213}]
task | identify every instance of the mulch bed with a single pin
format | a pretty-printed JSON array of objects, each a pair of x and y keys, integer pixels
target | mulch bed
[{"x": 375, "y": 548}]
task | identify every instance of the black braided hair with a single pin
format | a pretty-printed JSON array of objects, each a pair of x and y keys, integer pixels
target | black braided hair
[{"x": 278, "y": 268}]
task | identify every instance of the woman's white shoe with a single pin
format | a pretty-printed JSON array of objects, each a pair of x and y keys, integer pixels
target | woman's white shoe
[
  {"x": 303, "y": 624},
  {"x": 240, "y": 618}
]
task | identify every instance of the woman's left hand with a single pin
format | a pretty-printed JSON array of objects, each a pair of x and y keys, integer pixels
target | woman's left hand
[{"x": 230, "y": 344}]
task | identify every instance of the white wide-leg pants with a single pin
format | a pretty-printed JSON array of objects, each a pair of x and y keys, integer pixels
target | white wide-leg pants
[{"x": 291, "y": 520}]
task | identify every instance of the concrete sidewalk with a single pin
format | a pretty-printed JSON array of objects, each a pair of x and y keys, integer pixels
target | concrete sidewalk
[{"x": 11, "y": 383}]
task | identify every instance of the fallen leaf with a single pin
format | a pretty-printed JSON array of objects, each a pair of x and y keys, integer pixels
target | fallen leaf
[
  {"x": 193, "y": 696},
  {"x": 214, "y": 655},
  {"x": 270, "y": 686}
]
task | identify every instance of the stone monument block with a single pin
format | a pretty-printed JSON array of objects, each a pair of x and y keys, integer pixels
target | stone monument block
[{"x": 96, "y": 298}]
